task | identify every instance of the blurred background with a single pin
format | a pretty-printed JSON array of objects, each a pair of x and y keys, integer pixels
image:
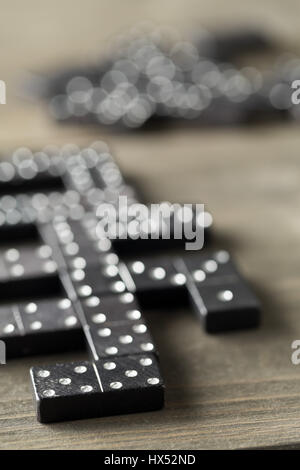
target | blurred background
[
  {"x": 43, "y": 37},
  {"x": 182, "y": 164}
]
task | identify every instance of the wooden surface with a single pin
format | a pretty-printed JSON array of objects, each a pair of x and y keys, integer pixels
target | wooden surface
[{"x": 237, "y": 390}]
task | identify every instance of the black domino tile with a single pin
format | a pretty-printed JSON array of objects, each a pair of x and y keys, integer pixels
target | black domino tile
[
  {"x": 131, "y": 384},
  {"x": 23, "y": 288},
  {"x": 221, "y": 297},
  {"x": 35, "y": 259},
  {"x": 80, "y": 181},
  {"x": 69, "y": 231},
  {"x": 50, "y": 326},
  {"x": 49, "y": 238},
  {"x": 120, "y": 339},
  {"x": 97, "y": 280},
  {"x": 149, "y": 236},
  {"x": 112, "y": 309},
  {"x": 211, "y": 267},
  {"x": 84, "y": 390},
  {"x": 65, "y": 252},
  {"x": 157, "y": 282},
  {"x": 40, "y": 327},
  {"x": 66, "y": 392},
  {"x": 28, "y": 270},
  {"x": 81, "y": 247},
  {"x": 16, "y": 232},
  {"x": 227, "y": 306},
  {"x": 38, "y": 182},
  {"x": 79, "y": 257}
]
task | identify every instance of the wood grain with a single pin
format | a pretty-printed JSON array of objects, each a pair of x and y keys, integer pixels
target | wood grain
[{"x": 237, "y": 390}]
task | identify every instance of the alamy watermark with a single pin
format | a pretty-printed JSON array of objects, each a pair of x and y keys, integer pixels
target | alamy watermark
[
  {"x": 295, "y": 356},
  {"x": 157, "y": 221},
  {"x": 2, "y": 92},
  {"x": 296, "y": 93},
  {"x": 2, "y": 353}
]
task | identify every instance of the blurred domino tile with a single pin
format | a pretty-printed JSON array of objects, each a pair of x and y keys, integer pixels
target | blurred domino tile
[{"x": 152, "y": 75}]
